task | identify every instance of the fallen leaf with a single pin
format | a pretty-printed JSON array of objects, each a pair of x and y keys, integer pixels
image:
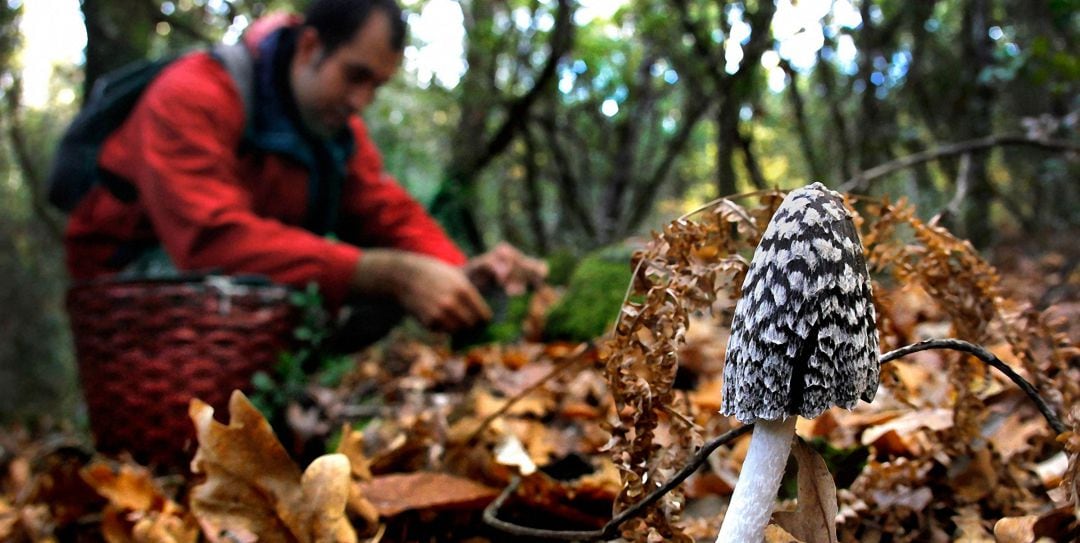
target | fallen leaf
[
  {"x": 1015, "y": 435},
  {"x": 970, "y": 528},
  {"x": 253, "y": 489},
  {"x": 933, "y": 419},
  {"x": 973, "y": 477},
  {"x": 510, "y": 452},
  {"x": 814, "y": 520},
  {"x": 131, "y": 487},
  {"x": 352, "y": 446},
  {"x": 915, "y": 499},
  {"x": 776, "y": 534},
  {"x": 8, "y": 519},
  {"x": 138, "y": 510},
  {"x": 325, "y": 486},
  {"x": 397, "y": 493},
  {"x": 1052, "y": 470},
  {"x": 1016, "y": 529}
]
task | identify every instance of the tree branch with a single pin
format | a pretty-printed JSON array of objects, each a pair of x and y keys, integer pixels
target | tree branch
[
  {"x": 610, "y": 530},
  {"x": 561, "y": 40},
  {"x": 988, "y": 358},
  {"x": 858, "y": 182}
]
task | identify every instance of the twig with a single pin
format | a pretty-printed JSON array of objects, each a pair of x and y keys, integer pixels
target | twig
[
  {"x": 988, "y": 358},
  {"x": 858, "y": 182},
  {"x": 570, "y": 361},
  {"x": 611, "y": 529}
]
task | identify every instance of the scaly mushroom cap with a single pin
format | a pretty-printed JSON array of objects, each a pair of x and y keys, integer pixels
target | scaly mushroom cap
[{"x": 804, "y": 336}]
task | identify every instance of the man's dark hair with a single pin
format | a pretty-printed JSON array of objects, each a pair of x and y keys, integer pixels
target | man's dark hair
[{"x": 337, "y": 21}]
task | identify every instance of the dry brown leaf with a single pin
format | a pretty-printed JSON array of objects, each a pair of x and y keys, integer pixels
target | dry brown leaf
[
  {"x": 933, "y": 419},
  {"x": 1015, "y": 434},
  {"x": 325, "y": 487},
  {"x": 8, "y": 519},
  {"x": 397, "y": 493},
  {"x": 138, "y": 510},
  {"x": 131, "y": 487},
  {"x": 814, "y": 520},
  {"x": 970, "y": 527},
  {"x": 973, "y": 477},
  {"x": 352, "y": 446},
  {"x": 776, "y": 534},
  {"x": 253, "y": 488},
  {"x": 1016, "y": 529}
]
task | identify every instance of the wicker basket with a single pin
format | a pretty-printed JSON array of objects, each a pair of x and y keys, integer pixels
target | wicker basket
[{"x": 146, "y": 348}]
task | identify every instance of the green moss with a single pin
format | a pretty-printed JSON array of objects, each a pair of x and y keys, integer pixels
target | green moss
[
  {"x": 561, "y": 264},
  {"x": 593, "y": 297}
]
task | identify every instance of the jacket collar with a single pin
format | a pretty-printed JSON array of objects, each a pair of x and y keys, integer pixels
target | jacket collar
[
  {"x": 276, "y": 122},
  {"x": 275, "y": 127}
]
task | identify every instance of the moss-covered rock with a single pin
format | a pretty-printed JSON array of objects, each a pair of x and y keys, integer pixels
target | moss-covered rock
[
  {"x": 593, "y": 296},
  {"x": 561, "y": 264}
]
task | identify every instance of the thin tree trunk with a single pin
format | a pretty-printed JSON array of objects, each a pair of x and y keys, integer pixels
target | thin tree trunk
[
  {"x": 750, "y": 161},
  {"x": 802, "y": 126},
  {"x": 533, "y": 199},
  {"x": 978, "y": 55}
]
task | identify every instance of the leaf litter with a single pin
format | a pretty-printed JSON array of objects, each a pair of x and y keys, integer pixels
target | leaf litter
[{"x": 427, "y": 437}]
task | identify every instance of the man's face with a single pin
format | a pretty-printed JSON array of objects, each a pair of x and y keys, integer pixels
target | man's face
[{"x": 330, "y": 88}]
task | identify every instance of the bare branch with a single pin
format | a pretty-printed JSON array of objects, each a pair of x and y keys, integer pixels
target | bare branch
[
  {"x": 988, "y": 358},
  {"x": 516, "y": 115},
  {"x": 858, "y": 183}
]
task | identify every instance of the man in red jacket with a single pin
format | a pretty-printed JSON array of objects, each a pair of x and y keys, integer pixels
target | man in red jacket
[{"x": 258, "y": 192}]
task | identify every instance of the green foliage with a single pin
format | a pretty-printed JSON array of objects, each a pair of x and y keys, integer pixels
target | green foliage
[
  {"x": 592, "y": 299},
  {"x": 561, "y": 264},
  {"x": 308, "y": 362}
]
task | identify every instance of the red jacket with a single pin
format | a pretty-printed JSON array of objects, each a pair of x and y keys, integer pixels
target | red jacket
[{"x": 213, "y": 207}]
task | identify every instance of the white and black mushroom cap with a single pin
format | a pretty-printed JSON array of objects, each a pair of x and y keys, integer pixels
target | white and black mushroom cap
[{"x": 804, "y": 336}]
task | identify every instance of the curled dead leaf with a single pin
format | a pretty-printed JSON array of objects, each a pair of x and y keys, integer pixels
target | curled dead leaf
[{"x": 814, "y": 521}]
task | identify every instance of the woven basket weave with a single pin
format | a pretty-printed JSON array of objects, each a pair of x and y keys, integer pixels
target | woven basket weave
[{"x": 146, "y": 348}]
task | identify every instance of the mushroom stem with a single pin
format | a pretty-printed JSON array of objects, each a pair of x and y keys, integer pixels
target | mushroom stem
[{"x": 755, "y": 493}]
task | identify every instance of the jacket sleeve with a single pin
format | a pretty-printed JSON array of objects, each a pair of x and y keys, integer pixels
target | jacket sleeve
[
  {"x": 378, "y": 212},
  {"x": 189, "y": 125}
]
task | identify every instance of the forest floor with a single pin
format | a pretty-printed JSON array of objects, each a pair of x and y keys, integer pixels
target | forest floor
[{"x": 423, "y": 438}]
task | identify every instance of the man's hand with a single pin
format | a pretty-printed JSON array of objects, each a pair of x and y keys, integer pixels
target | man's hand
[
  {"x": 438, "y": 294},
  {"x": 508, "y": 268}
]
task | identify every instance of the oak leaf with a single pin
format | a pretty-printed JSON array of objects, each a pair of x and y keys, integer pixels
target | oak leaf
[
  {"x": 138, "y": 510},
  {"x": 254, "y": 491}
]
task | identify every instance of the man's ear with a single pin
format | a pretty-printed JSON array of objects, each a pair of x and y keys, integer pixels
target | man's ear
[{"x": 309, "y": 47}]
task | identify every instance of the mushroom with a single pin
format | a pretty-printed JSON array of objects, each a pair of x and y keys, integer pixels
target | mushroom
[{"x": 803, "y": 339}]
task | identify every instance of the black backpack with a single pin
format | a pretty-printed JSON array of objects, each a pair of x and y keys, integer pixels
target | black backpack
[{"x": 75, "y": 165}]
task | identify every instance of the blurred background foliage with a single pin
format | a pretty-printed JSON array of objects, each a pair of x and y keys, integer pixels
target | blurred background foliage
[{"x": 563, "y": 132}]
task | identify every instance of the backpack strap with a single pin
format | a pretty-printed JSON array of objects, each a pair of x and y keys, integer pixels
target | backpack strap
[{"x": 238, "y": 61}]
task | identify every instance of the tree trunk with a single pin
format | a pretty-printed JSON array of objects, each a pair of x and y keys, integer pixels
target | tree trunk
[
  {"x": 977, "y": 56},
  {"x": 117, "y": 32}
]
